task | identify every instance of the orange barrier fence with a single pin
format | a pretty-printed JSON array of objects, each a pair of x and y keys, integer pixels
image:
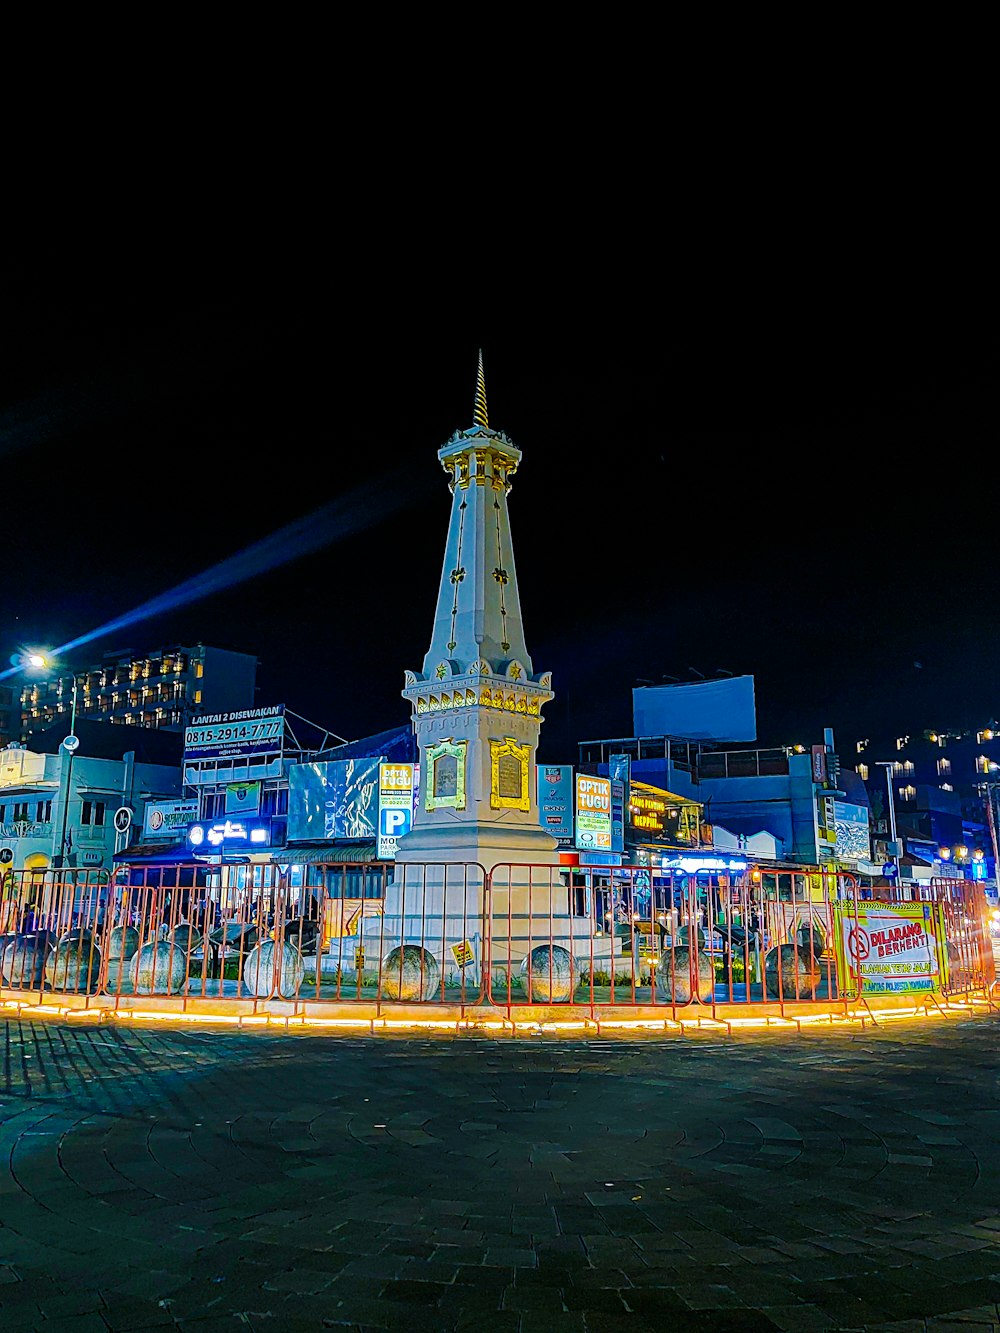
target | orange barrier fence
[{"x": 516, "y": 938}]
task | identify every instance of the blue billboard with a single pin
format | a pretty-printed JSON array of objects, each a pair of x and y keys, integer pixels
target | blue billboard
[
  {"x": 335, "y": 799},
  {"x": 555, "y": 800}
]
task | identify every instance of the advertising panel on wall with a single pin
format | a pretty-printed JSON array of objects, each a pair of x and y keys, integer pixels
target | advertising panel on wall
[
  {"x": 555, "y": 801},
  {"x": 889, "y": 948},
  {"x": 242, "y": 732},
  {"x": 334, "y": 799},
  {"x": 167, "y": 820},
  {"x": 851, "y": 826},
  {"x": 397, "y": 797},
  {"x": 243, "y": 798},
  {"x": 593, "y": 813}
]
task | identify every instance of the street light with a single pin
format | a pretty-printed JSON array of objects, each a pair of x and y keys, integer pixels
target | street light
[
  {"x": 888, "y": 766},
  {"x": 70, "y": 743}
]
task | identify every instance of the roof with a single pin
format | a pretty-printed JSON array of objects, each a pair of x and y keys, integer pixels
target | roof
[
  {"x": 328, "y": 853},
  {"x": 157, "y": 854},
  {"x": 108, "y": 740},
  {"x": 399, "y": 745}
]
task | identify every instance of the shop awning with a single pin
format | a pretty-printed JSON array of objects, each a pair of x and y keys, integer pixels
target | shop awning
[
  {"x": 333, "y": 853},
  {"x": 162, "y": 854}
]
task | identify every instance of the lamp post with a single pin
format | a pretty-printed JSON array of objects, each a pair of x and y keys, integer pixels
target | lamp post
[
  {"x": 888, "y": 766},
  {"x": 70, "y": 743}
]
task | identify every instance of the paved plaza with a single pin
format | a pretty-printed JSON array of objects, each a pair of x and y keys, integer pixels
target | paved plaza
[{"x": 213, "y": 1180}]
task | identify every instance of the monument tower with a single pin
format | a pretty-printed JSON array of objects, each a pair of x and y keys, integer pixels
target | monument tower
[{"x": 477, "y": 702}]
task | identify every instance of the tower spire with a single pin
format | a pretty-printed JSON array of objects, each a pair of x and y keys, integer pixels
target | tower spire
[{"x": 480, "y": 416}]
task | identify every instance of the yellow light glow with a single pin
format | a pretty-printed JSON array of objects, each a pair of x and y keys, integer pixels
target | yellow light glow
[{"x": 515, "y": 1026}]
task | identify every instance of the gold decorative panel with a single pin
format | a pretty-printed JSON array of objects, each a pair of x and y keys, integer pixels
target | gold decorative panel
[{"x": 510, "y": 765}]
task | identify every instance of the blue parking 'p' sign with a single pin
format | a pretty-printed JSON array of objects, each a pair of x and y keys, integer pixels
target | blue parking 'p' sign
[{"x": 394, "y": 822}]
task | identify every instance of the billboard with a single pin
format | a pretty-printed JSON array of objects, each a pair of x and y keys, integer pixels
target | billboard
[
  {"x": 334, "y": 799},
  {"x": 851, "y": 826},
  {"x": 555, "y": 800},
  {"x": 166, "y": 820},
  {"x": 889, "y": 948},
  {"x": 704, "y": 710},
  {"x": 243, "y": 798},
  {"x": 593, "y": 813},
  {"x": 396, "y": 801},
  {"x": 242, "y": 732}
]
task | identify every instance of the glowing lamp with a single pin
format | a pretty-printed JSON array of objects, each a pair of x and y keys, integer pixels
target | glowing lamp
[
  {"x": 962, "y": 852},
  {"x": 944, "y": 853},
  {"x": 977, "y": 855}
]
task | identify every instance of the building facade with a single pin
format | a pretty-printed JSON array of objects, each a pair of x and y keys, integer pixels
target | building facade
[
  {"x": 57, "y": 811},
  {"x": 164, "y": 689}
]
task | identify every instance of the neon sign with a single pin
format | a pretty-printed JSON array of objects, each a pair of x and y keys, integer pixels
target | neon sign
[{"x": 231, "y": 830}]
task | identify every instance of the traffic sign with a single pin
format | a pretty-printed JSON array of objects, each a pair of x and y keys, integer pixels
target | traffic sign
[
  {"x": 123, "y": 819},
  {"x": 890, "y": 870},
  {"x": 71, "y": 742}
]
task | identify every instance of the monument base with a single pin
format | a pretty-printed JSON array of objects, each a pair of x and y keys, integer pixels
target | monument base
[
  {"x": 479, "y": 842},
  {"x": 447, "y": 909}
]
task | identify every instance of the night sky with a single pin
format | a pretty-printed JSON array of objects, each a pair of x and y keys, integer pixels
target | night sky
[{"x": 791, "y": 483}]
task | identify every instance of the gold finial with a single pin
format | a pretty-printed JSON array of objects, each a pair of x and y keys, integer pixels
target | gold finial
[{"x": 479, "y": 415}]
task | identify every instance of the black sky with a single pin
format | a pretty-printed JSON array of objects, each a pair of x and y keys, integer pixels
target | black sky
[{"x": 797, "y": 480}]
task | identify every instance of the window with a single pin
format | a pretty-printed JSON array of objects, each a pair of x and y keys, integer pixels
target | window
[
  {"x": 43, "y": 812},
  {"x": 901, "y": 741},
  {"x": 907, "y": 793},
  {"x": 943, "y": 767},
  {"x": 982, "y": 764},
  {"x": 863, "y": 772},
  {"x": 199, "y": 670},
  {"x": 214, "y": 805},
  {"x": 946, "y": 786},
  {"x": 20, "y": 810},
  {"x": 908, "y": 766},
  {"x": 93, "y": 813},
  {"x": 3, "y": 814},
  {"x": 274, "y": 801},
  {"x": 197, "y": 696},
  {"x": 897, "y": 768}
]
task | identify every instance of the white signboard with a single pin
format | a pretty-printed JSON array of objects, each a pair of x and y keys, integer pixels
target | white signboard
[
  {"x": 166, "y": 820},
  {"x": 395, "y": 806},
  {"x": 245, "y": 731}
]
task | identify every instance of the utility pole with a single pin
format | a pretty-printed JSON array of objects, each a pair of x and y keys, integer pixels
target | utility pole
[
  {"x": 70, "y": 744},
  {"x": 991, "y": 816},
  {"x": 888, "y": 766}
]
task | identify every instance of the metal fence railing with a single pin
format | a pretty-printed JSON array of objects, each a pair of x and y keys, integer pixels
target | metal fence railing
[{"x": 520, "y": 937}]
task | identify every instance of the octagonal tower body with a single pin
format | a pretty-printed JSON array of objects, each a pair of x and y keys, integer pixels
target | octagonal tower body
[{"x": 477, "y": 702}]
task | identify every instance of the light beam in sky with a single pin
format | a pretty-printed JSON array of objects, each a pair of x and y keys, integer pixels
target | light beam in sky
[{"x": 362, "y": 508}]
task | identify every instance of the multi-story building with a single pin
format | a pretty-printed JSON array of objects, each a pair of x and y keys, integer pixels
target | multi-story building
[
  {"x": 9, "y": 717},
  {"x": 941, "y": 783},
  {"x": 812, "y": 812},
  {"x": 163, "y": 689}
]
